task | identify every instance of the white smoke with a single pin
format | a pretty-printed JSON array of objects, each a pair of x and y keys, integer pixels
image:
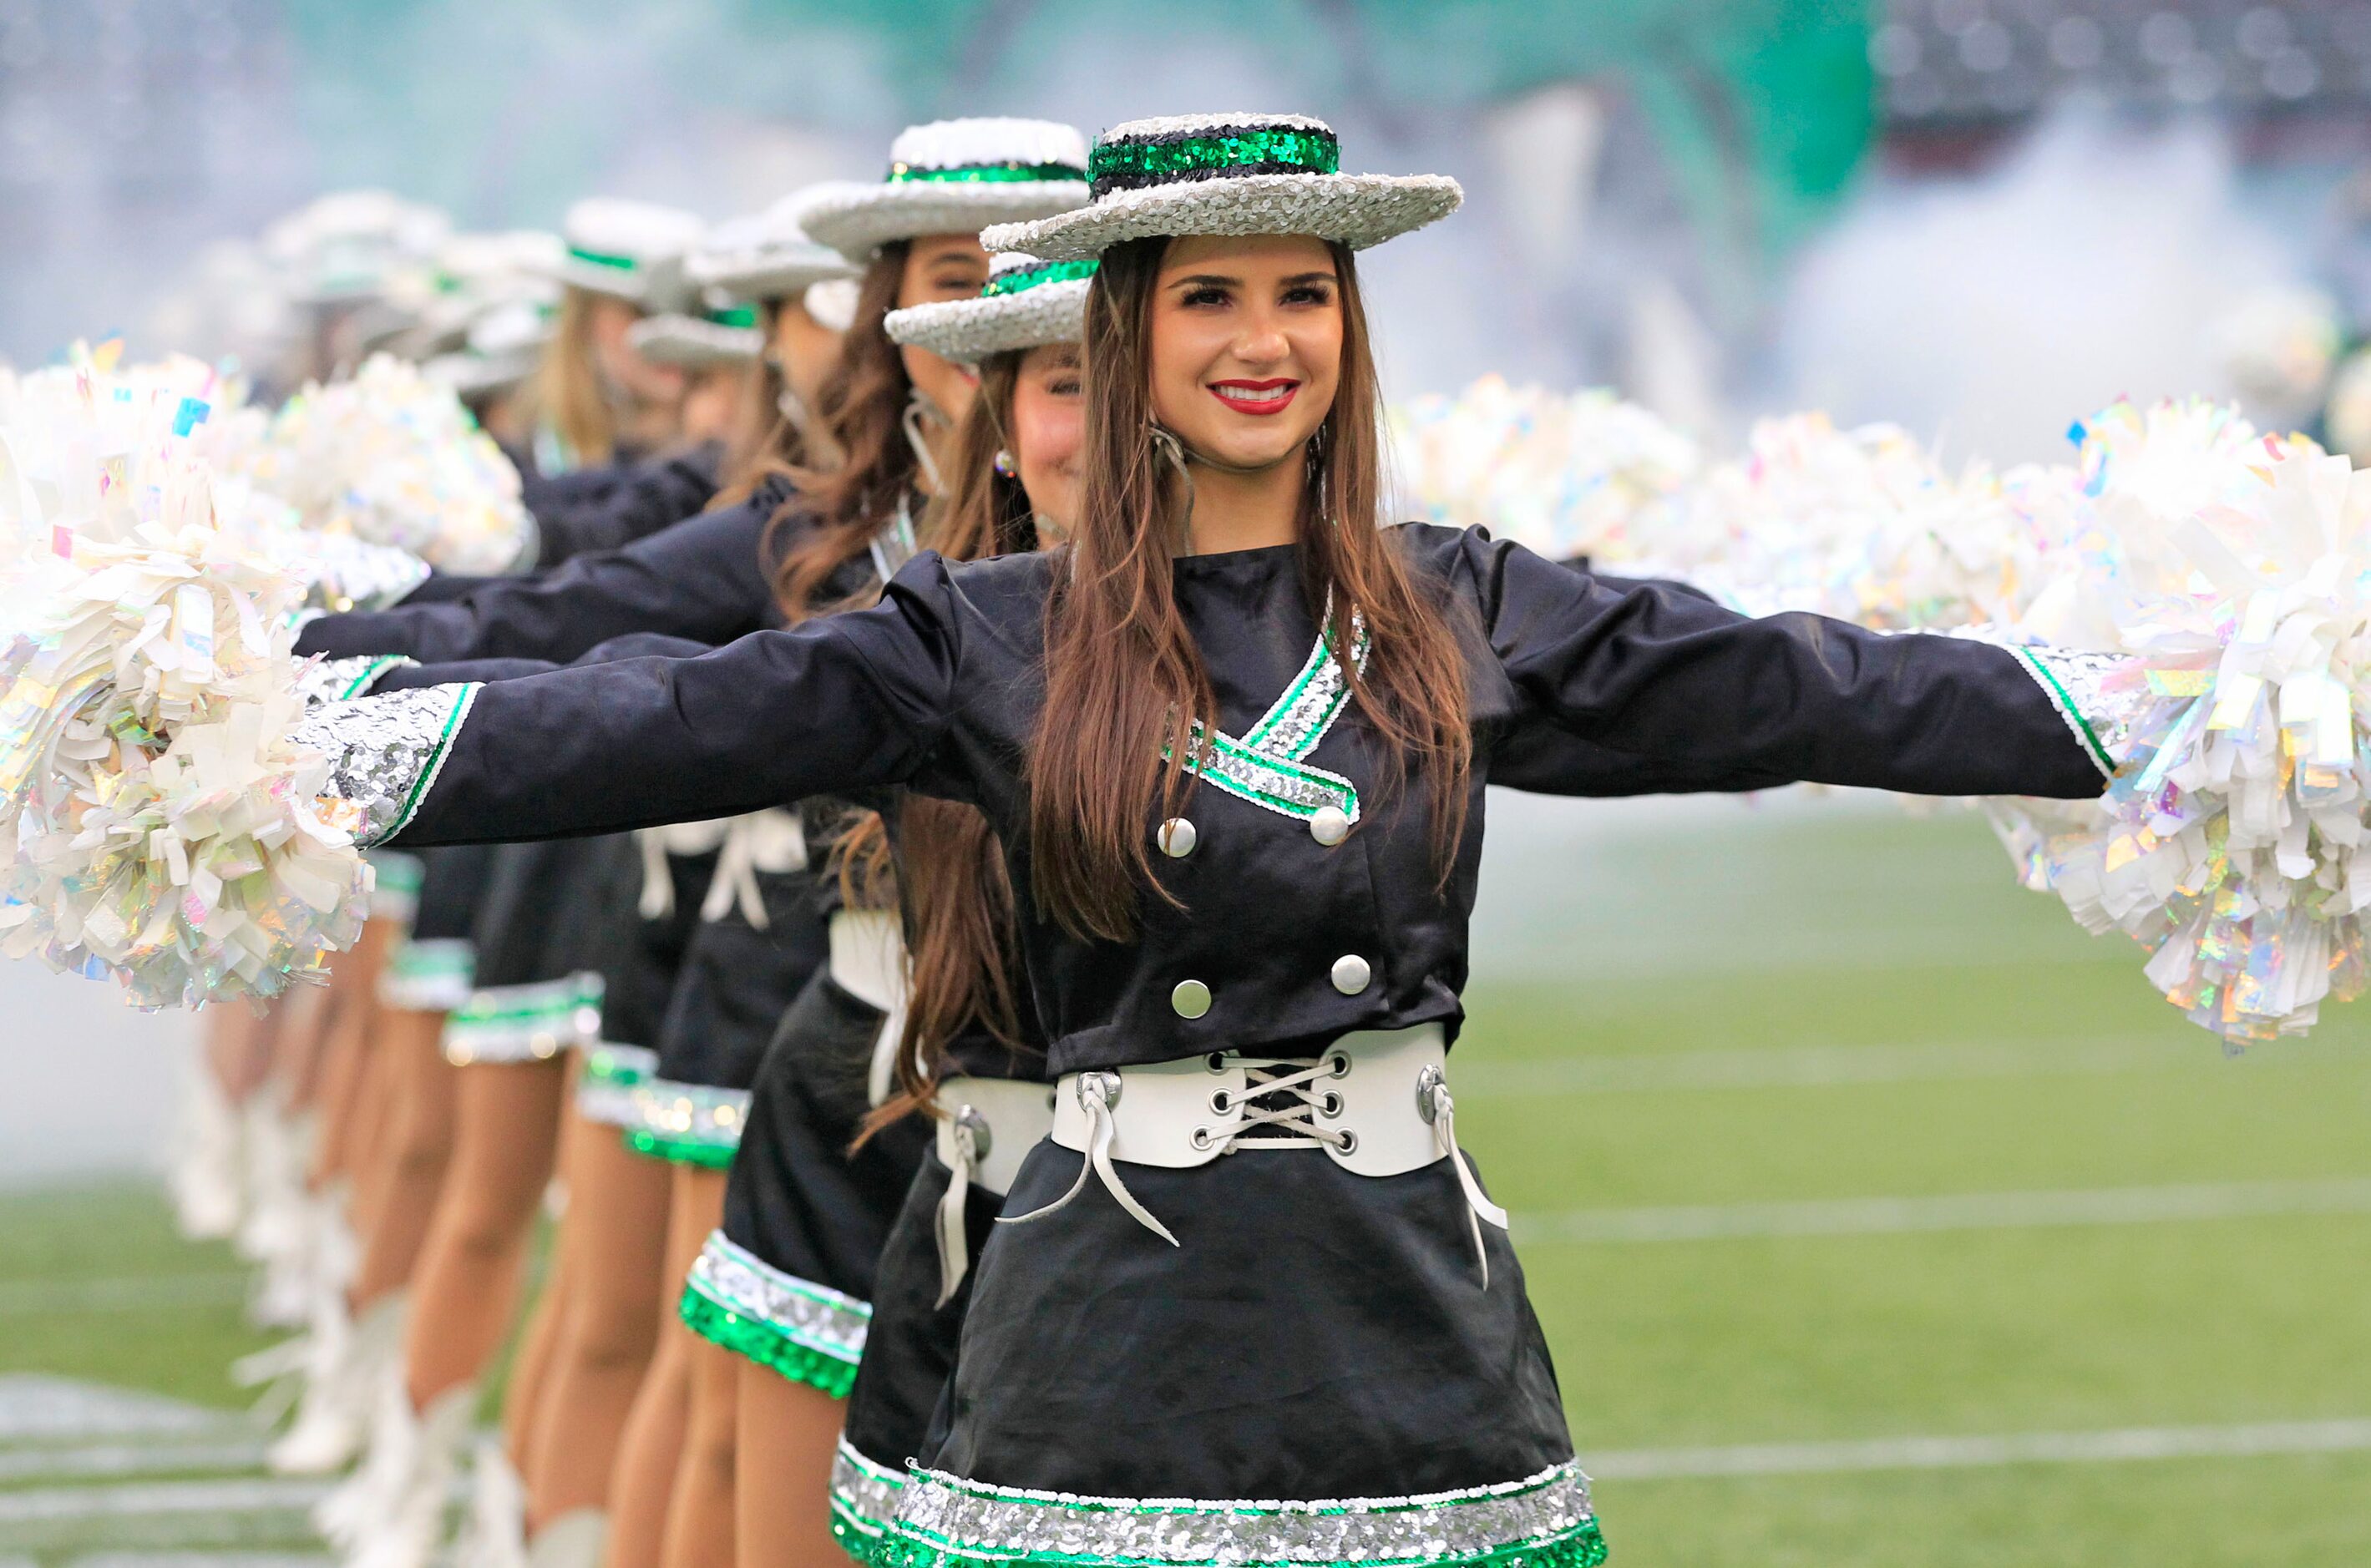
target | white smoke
[{"x": 1986, "y": 312}]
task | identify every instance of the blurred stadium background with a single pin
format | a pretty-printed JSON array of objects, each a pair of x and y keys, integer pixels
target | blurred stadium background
[{"x": 1876, "y": 1215}]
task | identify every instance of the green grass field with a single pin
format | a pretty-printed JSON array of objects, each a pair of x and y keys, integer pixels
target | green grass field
[{"x": 1824, "y": 1142}]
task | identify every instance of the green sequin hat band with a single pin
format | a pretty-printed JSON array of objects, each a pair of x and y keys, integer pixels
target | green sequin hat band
[
  {"x": 955, "y": 177},
  {"x": 699, "y": 343},
  {"x": 633, "y": 250},
  {"x": 1229, "y": 174}
]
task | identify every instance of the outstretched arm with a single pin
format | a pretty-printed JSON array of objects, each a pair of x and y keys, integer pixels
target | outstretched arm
[
  {"x": 846, "y": 701},
  {"x": 699, "y": 579},
  {"x": 1663, "y": 675}
]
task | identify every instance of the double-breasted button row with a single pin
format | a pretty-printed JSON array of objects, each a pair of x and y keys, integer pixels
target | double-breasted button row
[
  {"x": 1350, "y": 975},
  {"x": 1177, "y": 836}
]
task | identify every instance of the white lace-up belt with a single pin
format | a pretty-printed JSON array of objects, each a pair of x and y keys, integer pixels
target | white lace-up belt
[
  {"x": 985, "y": 1127},
  {"x": 1377, "y": 1103}
]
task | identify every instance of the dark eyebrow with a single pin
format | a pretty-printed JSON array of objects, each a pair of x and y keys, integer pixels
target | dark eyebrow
[
  {"x": 1206, "y": 278},
  {"x": 1325, "y": 277}
]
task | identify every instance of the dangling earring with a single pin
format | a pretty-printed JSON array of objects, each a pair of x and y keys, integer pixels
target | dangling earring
[
  {"x": 1169, "y": 446},
  {"x": 1004, "y": 463}
]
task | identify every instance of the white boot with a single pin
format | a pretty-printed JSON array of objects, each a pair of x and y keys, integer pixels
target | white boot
[
  {"x": 495, "y": 1536},
  {"x": 346, "y": 1365},
  {"x": 408, "y": 1533},
  {"x": 204, "y": 1171},
  {"x": 270, "y": 1191},
  {"x": 573, "y": 1541},
  {"x": 359, "y": 1505}
]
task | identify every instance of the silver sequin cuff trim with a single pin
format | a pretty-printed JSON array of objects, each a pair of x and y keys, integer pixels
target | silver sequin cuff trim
[
  {"x": 384, "y": 754},
  {"x": 2098, "y": 695},
  {"x": 526, "y": 1023},
  {"x": 970, "y": 1519},
  {"x": 353, "y": 574},
  {"x": 864, "y": 1493},
  {"x": 429, "y": 977},
  {"x": 326, "y": 681},
  {"x": 812, "y": 1315}
]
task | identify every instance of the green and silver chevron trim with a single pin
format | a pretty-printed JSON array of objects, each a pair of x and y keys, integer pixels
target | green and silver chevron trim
[
  {"x": 526, "y": 1023},
  {"x": 1544, "y": 1521},
  {"x": 686, "y": 1124},
  {"x": 810, "y": 1333},
  {"x": 428, "y": 976},
  {"x": 864, "y": 1495},
  {"x": 605, "y": 1091},
  {"x": 1266, "y": 767}
]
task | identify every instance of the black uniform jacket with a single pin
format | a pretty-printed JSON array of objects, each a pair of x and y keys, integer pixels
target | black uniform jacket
[
  {"x": 938, "y": 687},
  {"x": 635, "y": 501}
]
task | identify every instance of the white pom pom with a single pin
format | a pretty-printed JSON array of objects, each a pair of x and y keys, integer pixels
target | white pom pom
[
  {"x": 393, "y": 458},
  {"x": 1567, "y": 475},
  {"x": 2234, "y": 568},
  {"x": 162, "y": 826}
]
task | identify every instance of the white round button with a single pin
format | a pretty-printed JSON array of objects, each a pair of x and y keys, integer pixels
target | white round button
[
  {"x": 1191, "y": 999},
  {"x": 1178, "y": 837},
  {"x": 1329, "y": 825},
  {"x": 1351, "y": 973}
]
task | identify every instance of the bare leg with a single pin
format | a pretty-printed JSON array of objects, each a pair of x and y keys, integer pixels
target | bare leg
[
  {"x": 469, "y": 1275},
  {"x": 417, "y": 1151},
  {"x": 530, "y": 1378},
  {"x": 348, "y": 1030},
  {"x": 616, "y": 1237},
  {"x": 700, "y": 1529},
  {"x": 377, "y": 1091},
  {"x": 789, "y": 1435},
  {"x": 654, "y": 1432}
]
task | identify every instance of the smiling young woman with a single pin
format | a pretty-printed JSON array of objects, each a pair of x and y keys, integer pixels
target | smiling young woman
[{"x": 1325, "y": 1344}]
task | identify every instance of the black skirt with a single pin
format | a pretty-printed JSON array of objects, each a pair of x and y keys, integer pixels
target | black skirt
[
  {"x": 1317, "y": 1373},
  {"x": 736, "y": 983},
  {"x": 788, "y": 1279},
  {"x": 908, "y": 1352},
  {"x": 540, "y": 928},
  {"x": 433, "y": 969},
  {"x": 638, "y": 960}
]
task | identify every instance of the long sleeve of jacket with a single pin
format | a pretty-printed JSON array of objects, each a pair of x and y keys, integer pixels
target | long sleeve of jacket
[
  {"x": 839, "y": 703},
  {"x": 1671, "y": 678},
  {"x": 649, "y": 496},
  {"x": 702, "y": 579}
]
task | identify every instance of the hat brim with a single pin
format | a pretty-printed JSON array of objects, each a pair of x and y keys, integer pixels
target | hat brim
[
  {"x": 969, "y": 330},
  {"x": 1357, "y": 210},
  {"x": 474, "y": 376},
  {"x": 618, "y": 283},
  {"x": 694, "y": 345},
  {"x": 774, "y": 275},
  {"x": 860, "y": 221}
]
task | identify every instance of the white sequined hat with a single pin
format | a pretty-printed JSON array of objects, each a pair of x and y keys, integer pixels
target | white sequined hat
[
  {"x": 956, "y": 176},
  {"x": 1229, "y": 174},
  {"x": 770, "y": 256},
  {"x": 633, "y": 250},
  {"x": 1028, "y": 303},
  {"x": 723, "y": 334}
]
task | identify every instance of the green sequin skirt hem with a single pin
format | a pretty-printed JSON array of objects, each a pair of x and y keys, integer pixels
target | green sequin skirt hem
[
  {"x": 1582, "y": 1548},
  {"x": 766, "y": 1345},
  {"x": 680, "y": 1151}
]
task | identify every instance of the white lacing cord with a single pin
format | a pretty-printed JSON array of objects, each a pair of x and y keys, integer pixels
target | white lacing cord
[
  {"x": 1096, "y": 1092},
  {"x": 1296, "y": 1119},
  {"x": 736, "y": 879},
  {"x": 1435, "y": 1106},
  {"x": 955, "y": 1240}
]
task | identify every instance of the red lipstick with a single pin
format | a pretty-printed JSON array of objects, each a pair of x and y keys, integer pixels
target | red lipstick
[{"x": 1256, "y": 396}]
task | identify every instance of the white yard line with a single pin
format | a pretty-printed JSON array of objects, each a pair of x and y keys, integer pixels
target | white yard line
[
  {"x": 2125, "y": 1444},
  {"x": 37, "y": 1408},
  {"x": 127, "y": 1459},
  {"x": 1955, "y": 1211},
  {"x": 152, "y": 1292},
  {"x": 171, "y": 1497},
  {"x": 1815, "y": 1066}
]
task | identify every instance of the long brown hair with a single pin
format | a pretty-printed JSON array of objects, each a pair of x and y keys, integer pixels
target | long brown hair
[
  {"x": 1124, "y": 679},
  {"x": 958, "y": 899},
  {"x": 764, "y": 440},
  {"x": 862, "y": 405},
  {"x": 567, "y": 395}
]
